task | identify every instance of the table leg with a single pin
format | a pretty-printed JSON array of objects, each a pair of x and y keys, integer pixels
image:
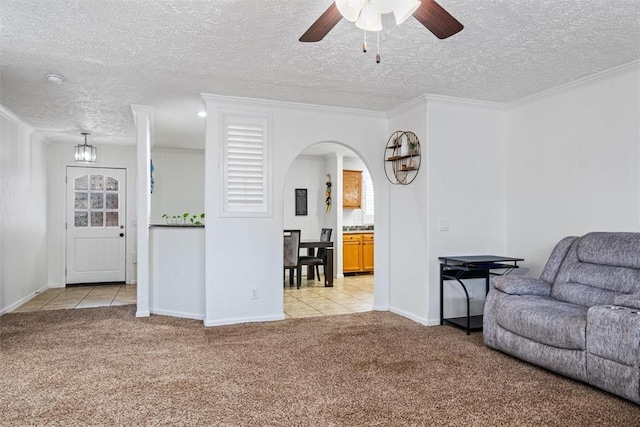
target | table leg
[
  {"x": 441, "y": 295},
  {"x": 328, "y": 269},
  {"x": 311, "y": 275}
]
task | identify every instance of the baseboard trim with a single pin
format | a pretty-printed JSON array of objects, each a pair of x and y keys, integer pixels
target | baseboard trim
[
  {"x": 233, "y": 321},
  {"x": 21, "y": 301},
  {"x": 143, "y": 313},
  {"x": 410, "y": 316},
  {"x": 180, "y": 314}
]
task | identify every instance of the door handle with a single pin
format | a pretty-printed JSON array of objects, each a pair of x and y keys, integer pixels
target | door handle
[{"x": 121, "y": 234}]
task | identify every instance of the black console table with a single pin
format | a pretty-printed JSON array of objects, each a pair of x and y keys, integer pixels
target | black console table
[{"x": 460, "y": 268}]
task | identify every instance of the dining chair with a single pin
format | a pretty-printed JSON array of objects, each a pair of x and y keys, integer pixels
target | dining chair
[
  {"x": 320, "y": 257},
  {"x": 291, "y": 256}
]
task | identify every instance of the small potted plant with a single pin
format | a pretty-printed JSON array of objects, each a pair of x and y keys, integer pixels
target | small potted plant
[
  {"x": 184, "y": 219},
  {"x": 196, "y": 219},
  {"x": 413, "y": 148}
]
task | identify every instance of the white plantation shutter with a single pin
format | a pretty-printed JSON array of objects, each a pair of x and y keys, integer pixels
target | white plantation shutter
[{"x": 246, "y": 166}]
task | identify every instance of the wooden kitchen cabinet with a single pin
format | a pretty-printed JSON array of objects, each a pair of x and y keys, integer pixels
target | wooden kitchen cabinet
[
  {"x": 351, "y": 252},
  {"x": 351, "y": 189},
  {"x": 357, "y": 252},
  {"x": 367, "y": 252}
]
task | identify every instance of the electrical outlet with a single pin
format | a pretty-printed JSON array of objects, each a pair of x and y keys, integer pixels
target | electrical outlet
[
  {"x": 254, "y": 293},
  {"x": 444, "y": 225}
]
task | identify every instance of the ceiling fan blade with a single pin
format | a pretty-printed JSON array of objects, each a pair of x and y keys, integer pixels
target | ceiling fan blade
[
  {"x": 323, "y": 25},
  {"x": 437, "y": 20}
]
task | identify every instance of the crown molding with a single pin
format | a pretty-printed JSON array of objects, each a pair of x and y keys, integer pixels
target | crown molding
[
  {"x": 585, "y": 81},
  {"x": 452, "y": 100},
  {"x": 420, "y": 101},
  {"x": 285, "y": 105},
  {"x": 4, "y": 111},
  {"x": 425, "y": 100}
]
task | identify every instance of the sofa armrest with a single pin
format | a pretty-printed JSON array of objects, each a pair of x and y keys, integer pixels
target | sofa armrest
[
  {"x": 522, "y": 285},
  {"x": 630, "y": 300}
]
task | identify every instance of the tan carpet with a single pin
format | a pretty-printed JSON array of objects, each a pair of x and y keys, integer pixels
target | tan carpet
[{"x": 103, "y": 366}]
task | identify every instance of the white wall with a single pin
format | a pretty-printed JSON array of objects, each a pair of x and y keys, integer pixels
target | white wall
[
  {"x": 179, "y": 183},
  {"x": 333, "y": 220},
  {"x": 177, "y": 271},
  {"x": 408, "y": 248},
  {"x": 23, "y": 207},
  {"x": 467, "y": 189},
  {"x": 461, "y": 181},
  {"x": 573, "y": 164},
  {"x": 307, "y": 172},
  {"x": 242, "y": 253},
  {"x": 109, "y": 156}
]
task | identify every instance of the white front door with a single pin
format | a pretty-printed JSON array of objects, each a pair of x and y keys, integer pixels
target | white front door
[{"x": 95, "y": 225}]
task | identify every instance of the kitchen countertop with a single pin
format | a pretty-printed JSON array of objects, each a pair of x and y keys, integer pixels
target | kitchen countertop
[{"x": 358, "y": 229}]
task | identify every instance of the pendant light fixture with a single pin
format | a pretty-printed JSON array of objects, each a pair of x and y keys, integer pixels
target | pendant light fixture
[{"x": 86, "y": 153}]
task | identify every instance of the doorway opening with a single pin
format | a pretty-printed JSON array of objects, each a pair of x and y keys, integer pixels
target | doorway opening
[{"x": 349, "y": 214}]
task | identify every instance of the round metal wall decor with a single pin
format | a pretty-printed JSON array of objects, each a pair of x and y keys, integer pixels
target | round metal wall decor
[{"x": 402, "y": 157}]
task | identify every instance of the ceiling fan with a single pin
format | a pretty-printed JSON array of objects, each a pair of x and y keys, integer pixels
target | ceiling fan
[{"x": 428, "y": 12}]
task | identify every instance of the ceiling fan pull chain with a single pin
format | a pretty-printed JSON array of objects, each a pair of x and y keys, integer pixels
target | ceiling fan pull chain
[
  {"x": 364, "y": 42},
  {"x": 378, "y": 52}
]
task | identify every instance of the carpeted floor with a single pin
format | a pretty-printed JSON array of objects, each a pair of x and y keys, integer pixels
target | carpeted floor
[{"x": 103, "y": 366}]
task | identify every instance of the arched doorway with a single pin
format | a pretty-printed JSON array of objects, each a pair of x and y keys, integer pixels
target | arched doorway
[{"x": 352, "y": 230}]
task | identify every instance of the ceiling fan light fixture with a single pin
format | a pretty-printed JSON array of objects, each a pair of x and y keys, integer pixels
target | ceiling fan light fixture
[
  {"x": 403, "y": 10},
  {"x": 350, "y": 9},
  {"x": 369, "y": 19}
]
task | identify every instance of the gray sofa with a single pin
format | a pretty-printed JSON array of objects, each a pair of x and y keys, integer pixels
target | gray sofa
[{"x": 581, "y": 318}]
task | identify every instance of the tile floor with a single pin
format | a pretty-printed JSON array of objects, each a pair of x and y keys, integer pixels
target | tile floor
[
  {"x": 80, "y": 297},
  {"x": 349, "y": 295}
]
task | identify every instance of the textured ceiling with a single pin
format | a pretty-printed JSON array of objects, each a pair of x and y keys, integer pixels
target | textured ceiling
[{"x": 164, "y": 53}]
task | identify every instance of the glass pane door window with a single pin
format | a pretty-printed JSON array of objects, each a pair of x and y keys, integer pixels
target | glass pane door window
[{"x": 96, "y": 201}]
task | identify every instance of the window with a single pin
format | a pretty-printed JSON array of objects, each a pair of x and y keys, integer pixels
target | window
[
  {"x": 246, "y": 167},
  {"x": 95, "y": 201}
]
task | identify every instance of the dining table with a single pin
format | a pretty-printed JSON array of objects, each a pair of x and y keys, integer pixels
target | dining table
[{"x": 312, "y": 245}]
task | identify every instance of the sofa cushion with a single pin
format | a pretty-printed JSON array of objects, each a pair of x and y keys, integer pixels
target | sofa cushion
[
  {"x": 543, "y": 319},
  {"x": 588, "y": 284},
  {"x": 584, "y": 295},
  {"x": 521, "y": 285},
  {"x": 631, "y": 300},
  {"x": 614, "y": 249},
  {"x": 554, "y": 262}
]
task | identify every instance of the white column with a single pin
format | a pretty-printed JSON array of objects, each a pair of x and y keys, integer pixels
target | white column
[{"x": 143, "y": 117}]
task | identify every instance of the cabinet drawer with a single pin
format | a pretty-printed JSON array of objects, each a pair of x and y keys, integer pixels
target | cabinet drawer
[
  {"x": 367, "y": 237},
  {"x": 351, "y": 237}
]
